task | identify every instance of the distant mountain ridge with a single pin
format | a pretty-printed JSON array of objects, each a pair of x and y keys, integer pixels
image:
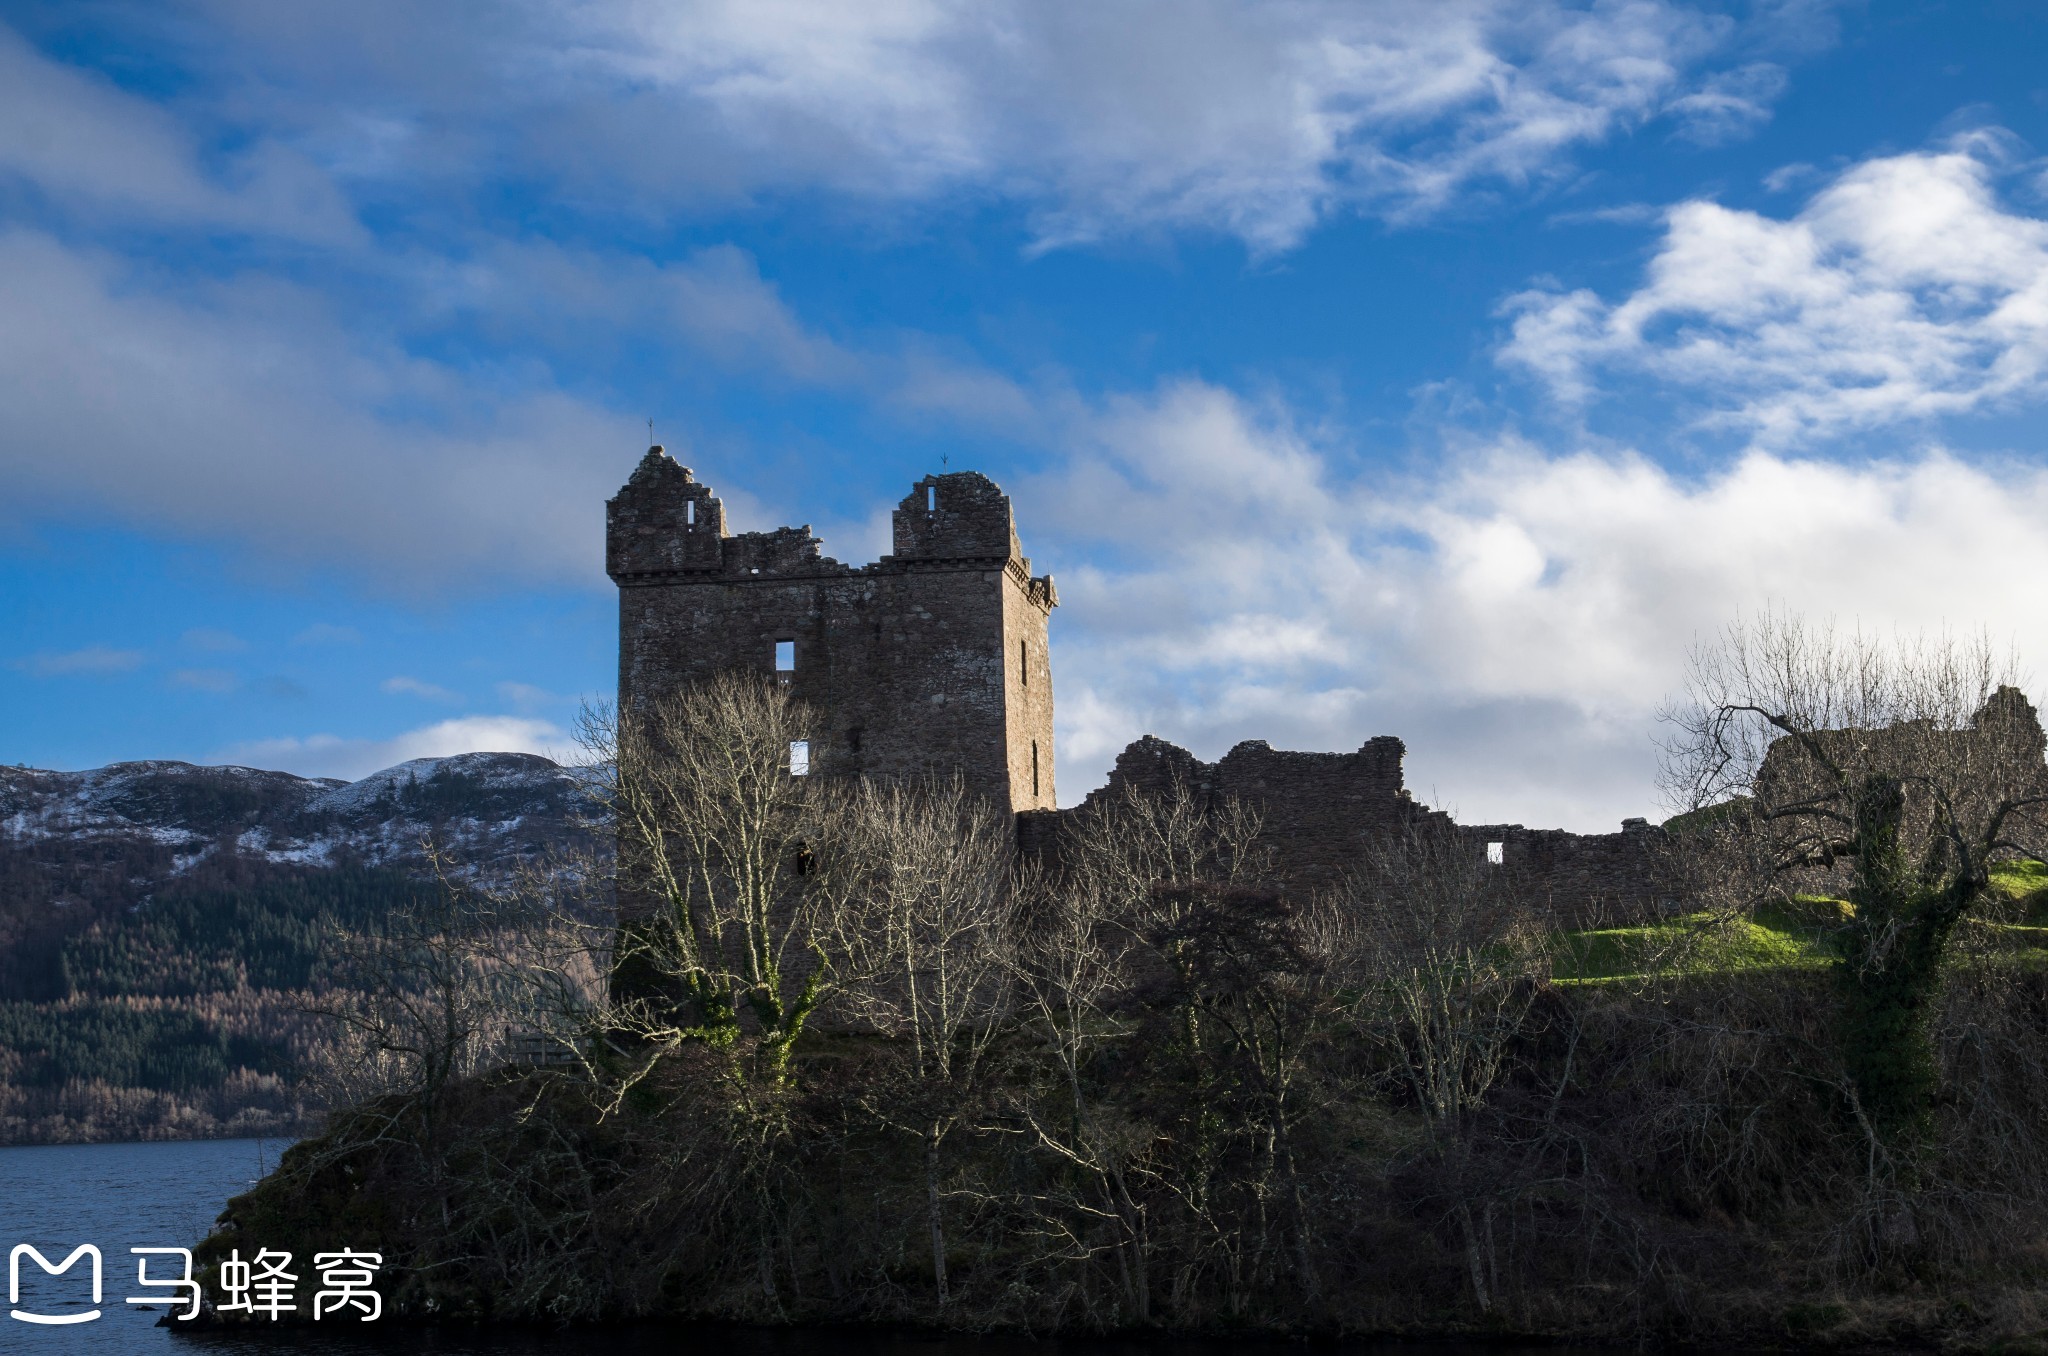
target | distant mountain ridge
[
  {"x": 162, "y": 924},
  {"x": 488, "y": 809}
]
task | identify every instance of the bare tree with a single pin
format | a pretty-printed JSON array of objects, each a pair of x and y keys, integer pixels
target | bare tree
[
  {"x": 1894, "y": 773},
  {"x": 1443, "y": 967},
  {"x": 924, "y": 875},
  {"x": 1120, "y": 899},
  {"x": 720, "y": 938}
]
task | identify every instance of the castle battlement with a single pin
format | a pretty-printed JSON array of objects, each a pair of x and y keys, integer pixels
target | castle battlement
[{"x": 933, "y": 658}]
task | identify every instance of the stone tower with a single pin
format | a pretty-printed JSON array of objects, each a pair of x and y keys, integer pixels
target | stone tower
[{"x": 931, "y": 659}]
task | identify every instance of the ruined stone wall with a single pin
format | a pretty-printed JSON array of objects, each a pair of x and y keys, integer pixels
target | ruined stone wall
[
  {"x": 1319, "y": 810},
  {"x": 1582, "y": 879},
  {"x": 1324, "y": 814},
  {"x": 1027, "y": 682},
  {"x": 934, "y": 658}
]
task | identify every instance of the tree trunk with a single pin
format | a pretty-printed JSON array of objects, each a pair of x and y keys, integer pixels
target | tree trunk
[
  {"x": 1890, "y": 971},
  {"x": 938, "y": 1227},
  {"x": 1475, "y": 1261}
]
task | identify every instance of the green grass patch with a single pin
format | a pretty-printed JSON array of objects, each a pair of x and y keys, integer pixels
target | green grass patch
[
  {"x": 1694, "y": 944},
  {"x": 2025, "y": 883},
  {"x": 1790, "y": 935}
]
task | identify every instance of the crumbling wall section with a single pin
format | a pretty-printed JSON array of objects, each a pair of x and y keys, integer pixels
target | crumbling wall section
[
  {"x": 1324, "y": 814},
  {"x": 1581, "y": 879}
]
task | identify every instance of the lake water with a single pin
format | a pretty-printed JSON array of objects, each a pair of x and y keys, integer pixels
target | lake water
[{"x": 122, "y": 1196}]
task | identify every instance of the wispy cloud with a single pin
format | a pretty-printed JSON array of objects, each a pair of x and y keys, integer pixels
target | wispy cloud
[
  {"x": 298, "y": 456},
  {"x": 93, "y": 660},
  {"x": 1905, "y": 289},
  {"x": 335, "y": 448},
  {"x": 326, "y": 755},
  {"x": 93, "y": 148},
  {"x": 414, "y": 687},
  {"x": 1252, "y": 120}
]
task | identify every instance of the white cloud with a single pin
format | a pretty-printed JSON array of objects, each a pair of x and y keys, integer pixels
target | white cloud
[
  {"x": 244, "y": 411},
  {"x": 403, "y": 686},
  {"x": 93, "y": 659},
  {"x": 1229, "y": 115},
  {"x": 715, "y": 303},
  {"x": 1516, "y": 618},
  {"x": 1903, "y": 290},
  {"x": 87, "y": 145},
  {"x": 325, "y": 755},
  {"x": 1729, "y": 105}
]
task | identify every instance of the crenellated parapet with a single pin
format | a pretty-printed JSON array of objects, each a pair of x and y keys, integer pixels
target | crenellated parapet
[
  {"x": 952, "y": 520},
  {"x": 931, "y": 659},
  {"x": 662, "y": 523}
]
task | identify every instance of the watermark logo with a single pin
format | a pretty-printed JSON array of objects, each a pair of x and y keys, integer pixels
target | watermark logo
[
  {"x": 22, "y": 1250},
  {"x": 182, "y": 1284},
  {"x": 261, "y": 1286}
]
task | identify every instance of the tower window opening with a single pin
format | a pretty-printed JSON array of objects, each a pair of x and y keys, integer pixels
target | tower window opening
[
  {"x": 1024, "y": 663},
  {"x": 1034, "y": 770},
  {"x": 931, "y": 499},
  {"x": 785, "y": 656},
  {"x": 1496, "y": 853},
  {"x": 690, "y": 513},
  {"x": 799, "y": 757}
]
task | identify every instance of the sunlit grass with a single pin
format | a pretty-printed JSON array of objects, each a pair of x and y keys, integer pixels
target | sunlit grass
[
  {"x": 1690, "y": 945},
  {"x": 1791, "y": 936}
]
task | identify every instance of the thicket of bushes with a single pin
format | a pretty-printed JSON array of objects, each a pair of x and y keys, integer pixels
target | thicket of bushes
[{"x": 847, "y": 1059}]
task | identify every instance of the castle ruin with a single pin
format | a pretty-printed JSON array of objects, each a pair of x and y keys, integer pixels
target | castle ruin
[
  {"x": 932, "y": 658},
  {"x": 936, "y": 658}
]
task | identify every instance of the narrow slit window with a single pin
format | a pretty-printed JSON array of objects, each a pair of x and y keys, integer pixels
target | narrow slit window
[
  {"x": 785, "y": 656},
  {"x": 799, "y": 757},
  {"x": 690, "y": 513},
  {"x": 1034, "y": 770},
  {"x": 1496, "y": 853},
  {"x": 931, "y": 499}
]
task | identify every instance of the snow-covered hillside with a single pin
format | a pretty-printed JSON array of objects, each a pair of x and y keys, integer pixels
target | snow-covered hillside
[{"x": 487, "y": 810}]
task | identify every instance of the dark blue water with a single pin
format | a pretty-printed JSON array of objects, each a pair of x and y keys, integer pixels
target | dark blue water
[
  {"x": 120, "y": 1196},
  {"x": 116, "y": 1197}
]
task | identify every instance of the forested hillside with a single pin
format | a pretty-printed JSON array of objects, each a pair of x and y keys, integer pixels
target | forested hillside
[{"x": 164, "y": 928}]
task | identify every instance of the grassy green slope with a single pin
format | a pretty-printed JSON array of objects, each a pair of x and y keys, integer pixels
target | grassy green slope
[{"x": 1792, "y": 936}]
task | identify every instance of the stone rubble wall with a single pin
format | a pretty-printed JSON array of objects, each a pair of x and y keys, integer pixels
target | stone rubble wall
[{"x": 1324, "y": 815}]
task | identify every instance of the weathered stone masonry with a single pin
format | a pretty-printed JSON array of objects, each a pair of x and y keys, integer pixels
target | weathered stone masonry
[
  {"x": 1323, "y": 813},
  {"x": 932, "y": 658},
  {"x": 935, "y": 657}
]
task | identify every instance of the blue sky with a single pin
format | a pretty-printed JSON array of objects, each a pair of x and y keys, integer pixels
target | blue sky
[{"x": 1437, "y": 369}]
